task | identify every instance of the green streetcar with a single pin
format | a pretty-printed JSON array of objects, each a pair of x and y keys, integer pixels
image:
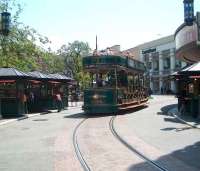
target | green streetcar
[{"x": 117, "y": 83}]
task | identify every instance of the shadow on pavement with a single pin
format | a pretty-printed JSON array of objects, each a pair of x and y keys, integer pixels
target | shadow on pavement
[
  {"x": 177, "y": 117},
  {"x": 175, "y": 120},
  {"x": 176, "y": 129},
  {"x": 76, "y": 116},
  {"x": 168, "y": 129},
  {"x": 190, "y": 119},
  {"x": 12, "y": 117},
  {"x": 190, "y": 156},
  {"x": 40, "y": 119},
  {"x": 165, "y": 110},
  {"x": 130, "y": 111},
  {"x": 99, "y": 115},
  {"x": 83, "y": 115}
]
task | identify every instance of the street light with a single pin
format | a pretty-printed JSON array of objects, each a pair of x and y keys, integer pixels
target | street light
[
  {"x": 5, "y": 23},
  {"x": 5, "y": 20},
  {"x": 188, "y": 12}
]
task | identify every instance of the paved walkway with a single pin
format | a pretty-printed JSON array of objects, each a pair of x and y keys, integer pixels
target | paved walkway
[
  {"x": 195, "y": 123},
  {"x": 189, "y": 120},
  {"x": 4, "y": 121}
]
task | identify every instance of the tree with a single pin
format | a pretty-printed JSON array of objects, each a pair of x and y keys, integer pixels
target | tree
[
  {"x": 73, "y": 54},
  {"x": 52, "y": 63},
  {"x": 20, "y": 48}
]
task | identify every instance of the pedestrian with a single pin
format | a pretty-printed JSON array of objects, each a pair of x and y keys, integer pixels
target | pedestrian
[
  {"x": 76, "y": 98},
  {"x": 24, "y": 100},
  {"x": 58, "y": 101},
  {"x": 162, "y": 90},
  {"x": 150, "y": 91},
  {"x": 30, "y": 102},
  {"x": 31, "y": 97}
]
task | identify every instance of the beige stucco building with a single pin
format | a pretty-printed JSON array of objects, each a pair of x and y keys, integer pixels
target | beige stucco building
[{"x": 159, "y": 58}]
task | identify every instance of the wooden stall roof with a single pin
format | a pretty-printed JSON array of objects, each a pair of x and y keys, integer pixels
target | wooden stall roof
[
  {"x": 192, "y": 68},
  {"x": 60, "y": 77},
  {"x": 192, "y": 71},
  {"x": 39, "y": 75},
  {"x": 35, "y": 76},
  {"x": 12, "y": 73},
  {"x": 52, "y": 78}
]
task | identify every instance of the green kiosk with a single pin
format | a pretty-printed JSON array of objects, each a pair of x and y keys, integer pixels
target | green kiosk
[
  {"x": 188, "y": 86},
  {"x": 12, "y": 91},
  {"x": 44, "y": 88},
  {"x": 42, "y": 92},
  {"x": 61, "y": 84}
]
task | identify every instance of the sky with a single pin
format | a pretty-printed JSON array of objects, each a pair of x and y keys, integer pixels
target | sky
[{"x": 123, "y": 22}]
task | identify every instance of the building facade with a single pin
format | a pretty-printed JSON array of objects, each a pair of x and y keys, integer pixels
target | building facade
[{"x": 159, "y": 58}]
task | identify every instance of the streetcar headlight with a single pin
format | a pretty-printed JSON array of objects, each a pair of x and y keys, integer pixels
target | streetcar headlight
[{"x": 95, "y": 96}]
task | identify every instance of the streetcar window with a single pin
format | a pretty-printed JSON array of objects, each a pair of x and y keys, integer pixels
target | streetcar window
[{"x": 106, "y": 79}]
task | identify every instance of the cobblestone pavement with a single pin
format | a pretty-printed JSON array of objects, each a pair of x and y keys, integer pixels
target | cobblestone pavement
[
  {"x": 161, "y": 137},
  {"x": 103, "y": 152},
  {"x": 44, "y": 142}
]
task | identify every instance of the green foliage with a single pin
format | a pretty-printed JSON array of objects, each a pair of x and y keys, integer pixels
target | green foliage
[
  {"x": 20, "y": 48},
  {"x": 73, "y": 54}
]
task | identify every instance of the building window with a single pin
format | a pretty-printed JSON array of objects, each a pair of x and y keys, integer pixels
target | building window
[
  {"x": 178, "y": 64},
  {"x": 146, "y": 57},
  {"x": 155, "y": 59},
  {"x": 149, "y": 65},
  {"x": 166, "y": 53},
  {"x": 156, "y": 65},
  {"x": 166, "y": 62}
]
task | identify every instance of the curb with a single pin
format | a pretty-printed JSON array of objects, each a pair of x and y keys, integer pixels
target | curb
[
  {"x": 18, "y": 119},
  {"x": 74, "y": 107},
  {"x": 32, "y": 115},
  {"x": 183, "y": 121}
]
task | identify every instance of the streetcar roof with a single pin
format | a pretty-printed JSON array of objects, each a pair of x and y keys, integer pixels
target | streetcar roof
[{"x": 122, "y": 62}]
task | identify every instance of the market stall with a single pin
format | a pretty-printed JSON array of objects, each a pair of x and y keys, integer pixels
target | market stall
[
  {"x": 39, "y": 89},
  {"x": 188, "y": 86},
  {"x": 12, "y": 92},
  {"x": 60, "y": 84}
]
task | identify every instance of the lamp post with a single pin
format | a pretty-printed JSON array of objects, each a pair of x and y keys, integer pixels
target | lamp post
[
  {"x": 188, "y": 12},
  {"x": 5, "y": 21}
]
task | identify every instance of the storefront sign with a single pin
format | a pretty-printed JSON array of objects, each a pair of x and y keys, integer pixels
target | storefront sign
[{"x": 149, "y": 51}]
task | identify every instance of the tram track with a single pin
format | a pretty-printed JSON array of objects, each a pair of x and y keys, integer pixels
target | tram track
[
  {"x": 131, "y": 148},
  {"x": 79, "y": 155},
  {"x": 82, "y": 160}
]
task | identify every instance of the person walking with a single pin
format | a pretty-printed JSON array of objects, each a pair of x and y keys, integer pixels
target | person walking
[
  {"x": 31, "y": 97},
  {"x": 58, "y": 101},
  {"x": 31, "y": 100},
  {"x": 24, "y": 99}
]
